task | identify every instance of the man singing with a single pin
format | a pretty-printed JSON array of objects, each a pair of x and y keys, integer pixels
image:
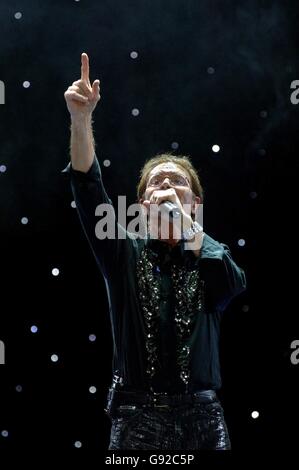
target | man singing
[{"x": 167, "y": 292}]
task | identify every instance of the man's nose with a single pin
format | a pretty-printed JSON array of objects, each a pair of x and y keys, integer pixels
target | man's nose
[{"x": 165, "y": 183}]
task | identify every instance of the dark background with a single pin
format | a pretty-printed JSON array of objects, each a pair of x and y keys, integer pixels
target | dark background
[{"x": 244, "y": 106}]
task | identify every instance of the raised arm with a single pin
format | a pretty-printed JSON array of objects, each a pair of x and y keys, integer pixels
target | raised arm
[
  {"x": 85, "y": 174},
  {"x": 81, "y": 99}
]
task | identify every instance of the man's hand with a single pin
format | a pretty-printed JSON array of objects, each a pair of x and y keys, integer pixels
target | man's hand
[
  {"x": 82, "y": 97},
  {"x": 159, "y": 196}
]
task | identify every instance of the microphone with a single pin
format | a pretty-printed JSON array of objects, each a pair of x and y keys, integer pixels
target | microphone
[{"x": 170, "y": 209}]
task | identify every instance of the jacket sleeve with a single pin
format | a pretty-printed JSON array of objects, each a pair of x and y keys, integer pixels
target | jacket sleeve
[
  {"x": 91, "y": 199},
  {"x": 223, "y": 278}
]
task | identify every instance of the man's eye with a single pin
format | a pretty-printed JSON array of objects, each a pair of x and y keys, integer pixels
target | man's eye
[{"x": 178, "y": 181}]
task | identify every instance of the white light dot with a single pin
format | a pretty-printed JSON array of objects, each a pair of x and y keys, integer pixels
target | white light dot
[
  {"x": 263, "y": 114},
  {"x": 175, "y": 145},
  {"x": 134, "y": 55},
  {"x": 55, "y": 272},
  {"x": 245, "y": 308},
  {"x": 241, "y": 242},
  {"x": 19, "y": 388},
  {"x": 210, "y": 70},
  {"x": 18, "y": 15},
  {"x": 216, "y": 148},
  {"x": 26, "y": 84},
  {"x": 253, "y": 195},
  {"x": 92, "y": 389},
  {"x": 24, "y": 220},
  {"x": 106, "y": 163},
  {"x": 255, "y": 414},
  {"x": 4, "y": 433},
  {"x": 135, "y": 112},
  {"x": 78, "y": 444},
  {"x": 34, "y": 329},
  {"x": 2, "y": 168},
  {"x": 73, "y": 204},
  {"x": 54, "y": 358},
  {"x": 92, "y": 338}
]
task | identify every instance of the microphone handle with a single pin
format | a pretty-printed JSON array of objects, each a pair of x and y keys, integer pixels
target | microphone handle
[{"x": 168, "y": 207}]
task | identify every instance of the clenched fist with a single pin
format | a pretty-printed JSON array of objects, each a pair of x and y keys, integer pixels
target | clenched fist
[{"x": 82, "y": 97}]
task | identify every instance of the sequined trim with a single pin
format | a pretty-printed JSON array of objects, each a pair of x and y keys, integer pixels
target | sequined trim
[
  {"x": 149, "y": 292},
  {"x": 188, "y": 292}
]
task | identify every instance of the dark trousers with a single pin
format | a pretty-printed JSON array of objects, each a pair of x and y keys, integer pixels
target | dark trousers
[{"x": 196, "y": 426}]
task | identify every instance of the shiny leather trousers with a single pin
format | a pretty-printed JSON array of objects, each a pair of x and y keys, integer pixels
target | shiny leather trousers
[{"x": 200, "y": 426}]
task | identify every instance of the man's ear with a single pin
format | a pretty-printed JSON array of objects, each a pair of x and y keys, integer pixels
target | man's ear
[{"x": 196, "y": 201}]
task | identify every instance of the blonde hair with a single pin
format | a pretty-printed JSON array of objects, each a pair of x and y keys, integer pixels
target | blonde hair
[{"x": 182, "y": 161}]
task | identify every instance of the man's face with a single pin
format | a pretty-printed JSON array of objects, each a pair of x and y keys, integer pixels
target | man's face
[
  {"x": 169, "y": 182},
  {"x": 166, "y": 176}
]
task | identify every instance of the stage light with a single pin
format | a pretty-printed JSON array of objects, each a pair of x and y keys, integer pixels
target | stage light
[
  {"x": 253, "y": 195},
  {"x": 216, "y": 148},
  {"x": 241, "y": 242},
  {"x": 73, "y": 204},
  {"x": 262, "y": 152},
  {"x": 210, "y": 70},
  {"x": 2, "y": 168},
  {"x": 55, "y": 272},
  {"x": 92, "y": 338},
  {"x": 134, "y": 55},
  {"x": 245, "y": 308},
  {"x": 26, "y": 84},
  {"x": 174, "y": 145},
  {"x": 19, "y": 388},
  {"x": 92, "y": 389},
  {"x": 18, "y": 15},
  {"x": 106, "y": 163},
  {"x": 255, "y": 414},
  {"x": 263, "y": 114},
  {"x": 4, "y": 433},
  {"x": 24, "y": 220},
  {"x": 34, "y": 329},
  {"x": 135, "y": 112},
  {"x": 54, "y": 358},
  {"x": 78, "y": 444}
]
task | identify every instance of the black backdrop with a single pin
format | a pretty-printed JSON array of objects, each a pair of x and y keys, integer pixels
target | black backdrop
[{"x": 208, "y": 72}]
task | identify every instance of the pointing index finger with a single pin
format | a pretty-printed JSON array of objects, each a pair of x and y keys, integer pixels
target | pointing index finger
[{"x": 84, "y": 67}]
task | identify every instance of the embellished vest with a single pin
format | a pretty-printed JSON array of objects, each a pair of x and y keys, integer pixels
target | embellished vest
[{"x": 188, "y": 304}]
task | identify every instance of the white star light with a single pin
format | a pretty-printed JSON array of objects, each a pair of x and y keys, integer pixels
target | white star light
[
  {"x": 215, "y": 148},
  {"x": 54, "y": 358}
]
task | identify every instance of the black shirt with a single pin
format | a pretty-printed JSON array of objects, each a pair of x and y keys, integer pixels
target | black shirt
[{"x": 165, "y": 303}]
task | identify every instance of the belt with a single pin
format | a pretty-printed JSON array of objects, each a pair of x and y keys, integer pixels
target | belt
[{"x": 120, "y": 397}]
